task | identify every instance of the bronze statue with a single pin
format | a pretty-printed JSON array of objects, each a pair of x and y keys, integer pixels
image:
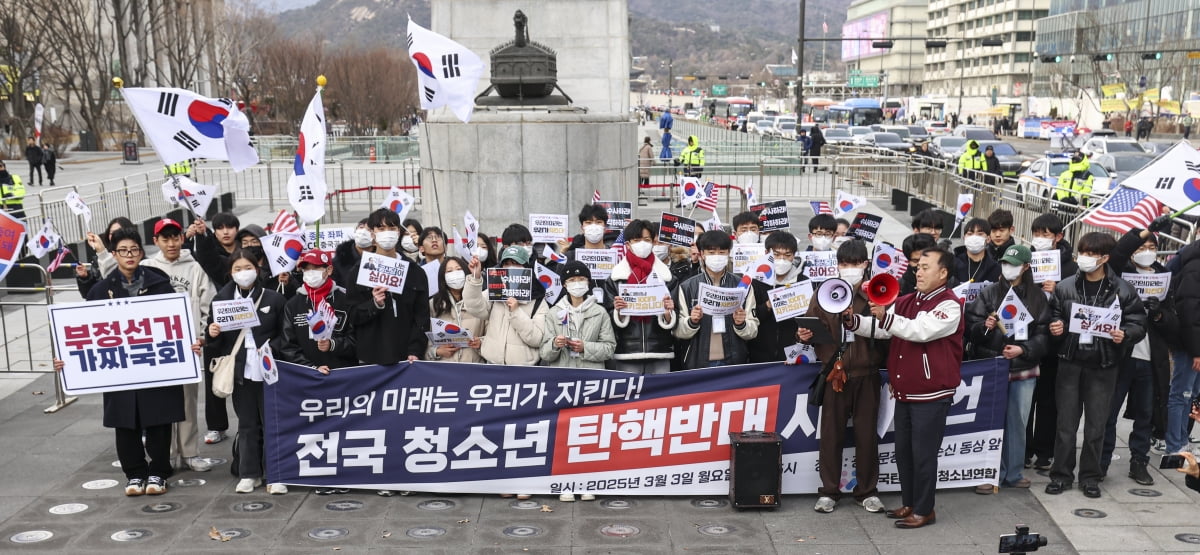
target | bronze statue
[{"x": 524, "y": 72}]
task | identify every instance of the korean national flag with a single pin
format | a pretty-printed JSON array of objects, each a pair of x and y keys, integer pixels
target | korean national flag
[
  {"x": 846, "y": 203},
  {"x": 306, "y": 188},
  {"x": 398, "y": 201},
  {"x": 691, "y": 191},
  {"x": 447, "y": 72},
  {"x": 283, "y": 251},
  {"x": 44, "y": 241},
  {"x": 1173, "y": 178},
  {"x": 180, "y": 190},
  {"x": 182, "y": 125}
]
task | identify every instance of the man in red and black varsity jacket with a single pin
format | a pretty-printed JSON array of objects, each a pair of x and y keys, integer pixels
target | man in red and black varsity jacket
[{"x": 924, "y": 364}]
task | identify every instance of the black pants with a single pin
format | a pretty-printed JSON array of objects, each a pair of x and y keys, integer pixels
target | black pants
[
  {"x": 248, "y": 404},
  {"x": 1082, "y": 390},
  {"x": 35, "y": 167},
  {"x": 51, "y": 168},
  {"x": 920, "y": 428},
  {"x": 1043, "y": 421},
  {"x": 1160, "y": 375},
  {"x": 132, "y": 454},
  {"x": 860, "y": 399},
  {"x": 216, "y": 416},
  {"x": 1134, "y": 381}
]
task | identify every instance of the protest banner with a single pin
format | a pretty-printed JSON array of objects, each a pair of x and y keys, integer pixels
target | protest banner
[
  {"x": 329, "y": 238},
  {"x": 819, "y": 265},
  {"x": 503, "y": 283},
  {"x": 865, "y": 226},
  {"x": 744, "y": 254},
  {"x": 148, "y": 347},
  {"x": 475, "y": 428},
  {"x": 548, "y": 228},
  {"x": 721, "y": 301},
  {"x": 970, "y": 290},
  {"x": 642, "y": 300},
  {"x": 376, "y": 270},
  {"x": 235, "y": 314},
  {"x": 1045, "y": 266},
  {"x": 620, "y": 213},
  {"x": 676, "y": 230},
  {"x": 1094, "y": 321},
  {"x": 1149, "y": 285},
  {"x": 600, "y": 262},
  {"x": 791, "y": 301},
  {"x": 772, "y": 216}
]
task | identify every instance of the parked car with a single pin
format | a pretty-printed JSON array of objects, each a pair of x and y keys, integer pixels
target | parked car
[
  {"x": 1040, "y": 178},
  {"x": 692, "y": 115},
  {"x": 918, "y": 134},
  {"x": 947, "y": 147},
  {"x": 935, "y": 127},
  {"x": 1121, "y": 165},
  {"x": 859, "y": 130},
  {"x": 784, "y": 128},
  {"x": 752, "y": 120},
  {"x": 1108, "y": 145},
  {"x": 889, "y": 141},
  {"x": 901, "y": 130},
  {"x": 1156, "y": 148},
  {"x": 836, "y": 136},
  {"x": 1010, "y": 158}
]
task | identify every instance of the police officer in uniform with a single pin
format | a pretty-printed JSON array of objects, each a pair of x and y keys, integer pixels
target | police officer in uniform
[{"x": 12, "y": 191}]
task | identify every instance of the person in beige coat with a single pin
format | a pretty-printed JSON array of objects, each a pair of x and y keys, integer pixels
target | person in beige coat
[
  {"x": 514, "y": 329},
  {"x": 645, "y": 162},
  {"x": 448, "y": 304}
]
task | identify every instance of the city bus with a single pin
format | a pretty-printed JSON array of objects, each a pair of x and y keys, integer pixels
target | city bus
[
  {"x": 857, "y": 111},
  {"x": 816, "y": 110},
  {"x": 730, "y": 108}
]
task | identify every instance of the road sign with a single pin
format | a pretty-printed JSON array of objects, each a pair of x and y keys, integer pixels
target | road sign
[
  {"x": 720, "y": 90},
  {"x": 857, "y": 80}
]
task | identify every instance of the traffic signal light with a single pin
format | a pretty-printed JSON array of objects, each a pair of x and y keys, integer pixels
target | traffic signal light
[
  {"x": 992, "y": 42},
  {"x": 1051, "y": 59},
  {"x": 935, "y": 43},
  {"x": 884, "y": 44},
  {"x": 1152, "y": 56},
  {"x": 1102, "y": 58}
]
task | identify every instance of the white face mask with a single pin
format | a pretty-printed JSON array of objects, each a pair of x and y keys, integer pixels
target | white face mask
[
  {"x": 1011, "y": 272},
  {"x": 387, "y": 239},
  {"x": 1087, "y": 264},
  {"x": 362, "y": 238},
  {"x": 314, "y": 278},
  {"x": 838, "y": 241},
  {"x": 1042, "y": 243},
  {"x": 642, "y": 249},
  {"x": 748, "y": 237},
  {"x": 821, "y": 243},
  {"x": 975, "y": 243},
  {"x": 578, "y": 289},
  {"x": 716, "y": 262},
  {"x": 456, "y": 279},
  {"x": 1145, "y": 258},
  {"x": 481, "y": 253},
  {"x": 661, "y": 251},
  {"x": 593, "y": 233},
  {"x": 245, "y": 278},
  {"x": 782, "y": 267},
  {"x": 406, "y": 243},
  {"x": 528, "y": 250},
  {"x": 853, "y": 276}
]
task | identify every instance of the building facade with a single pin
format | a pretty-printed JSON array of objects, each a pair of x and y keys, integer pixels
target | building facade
[{"x": 900, "y": 69}]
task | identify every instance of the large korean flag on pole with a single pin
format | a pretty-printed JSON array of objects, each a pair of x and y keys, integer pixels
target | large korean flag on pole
[
  {"x": 447, "y": 72},
  {"x": 181, "y": 125},
  {"x": 1173, "y": 179},
  {"x": 306, "y": 187}
]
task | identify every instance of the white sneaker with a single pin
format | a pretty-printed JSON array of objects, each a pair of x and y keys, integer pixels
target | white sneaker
[
  {"x": 567, "y": 498},
  {"x": 872, "y": 504},
  {"x": 825, "y": 505},
  {"x": 214, "y": 436},
  {"x": 587, "y": 497},
  {"x": 247, "y": 485},
  {"x": 276, "y": 489},
  {"x": 1158, "y": 446},
  {"x": 198, "y": 464}
]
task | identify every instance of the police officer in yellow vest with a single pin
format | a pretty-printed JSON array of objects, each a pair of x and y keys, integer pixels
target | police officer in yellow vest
[
  {"x": 1075, "y": 184},
  {"x": 178, "y": 168},
  {"x": 971, "y": 163},
  {"x": 12, "y": 193},
  {"x": 692, "y": 158}
]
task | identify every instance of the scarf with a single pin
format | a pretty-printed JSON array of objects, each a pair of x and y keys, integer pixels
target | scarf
[
  {"x": 317, "y": 296},
  {"x": 639, "y": 271}
]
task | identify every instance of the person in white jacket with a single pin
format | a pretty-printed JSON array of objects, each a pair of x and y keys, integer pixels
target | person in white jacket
[
  {"x": 514, "y": 329},
  {"x": 187, "y": 276}
]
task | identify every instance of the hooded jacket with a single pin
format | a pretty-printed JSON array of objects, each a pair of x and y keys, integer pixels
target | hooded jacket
[
  {"x": 589, "y": 322},
  {"x": 984, "y": 343},
  {"x": 639, "y": 338},
  {"x": 513, "y": 336},
  {"x": 970, "y": 159},
  {"x": 187, "y": 276},
  {"x": 1101, "y": 352},
  {"x": 1075, "y": 181},
  {"x": 692, "y": 155},
  {"x": 1162, "y": 328}
]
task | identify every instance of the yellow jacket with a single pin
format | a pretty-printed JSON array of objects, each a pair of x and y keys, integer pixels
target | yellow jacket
[{"x": 1070, "y": 185}]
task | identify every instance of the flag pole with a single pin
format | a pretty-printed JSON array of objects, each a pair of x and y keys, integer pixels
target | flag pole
[
  {"x": 321, "y": 82},
  {"x": 1188, "y": 207}
]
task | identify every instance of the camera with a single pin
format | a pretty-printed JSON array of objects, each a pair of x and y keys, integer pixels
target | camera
[{"x": 1022, "y": 541}]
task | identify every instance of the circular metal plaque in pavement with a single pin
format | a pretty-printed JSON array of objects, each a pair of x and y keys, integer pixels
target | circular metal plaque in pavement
[
  {"x": 328, "y": 533},
  {"x": 522, "y": 531},
  {"x": 617, "y": 504},
  {"x": 437, "y": 505},
  {"x": 709, "y": 503},
  {"x": 425, "y": 532},
  {"x": 1145, "y": 492},
  {"x": 163, "y": 507},
  {"x": 31, "y": 536},
  {"x": 1089, "y": 513},
  {"x": 252, "y": 507},
  {"x": 68, "y": 508},
  {"x": 620, "y": 530},
  {"x": 717, "y": 529},
  {"x": 1188, "y": 538},
  {"x": 525, "y": 505},
  {"x": 344, "y": 505},
  {"x": 131, "y": 535},
  {"x": 100, "y": 484}
]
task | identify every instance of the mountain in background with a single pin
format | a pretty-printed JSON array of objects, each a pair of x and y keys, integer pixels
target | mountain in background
[{"x": 706, "y": 37}]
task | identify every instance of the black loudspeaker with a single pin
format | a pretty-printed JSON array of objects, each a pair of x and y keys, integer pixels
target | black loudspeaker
[{"x": 755, "y": 469}]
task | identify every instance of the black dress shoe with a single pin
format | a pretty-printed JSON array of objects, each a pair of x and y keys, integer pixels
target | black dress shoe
[
  {"x": 1091, "y": 490},
  {"x": 1055, "y": 488},
  {"x": 902, "y": 512},
  {"x": 916, "y": 521}
]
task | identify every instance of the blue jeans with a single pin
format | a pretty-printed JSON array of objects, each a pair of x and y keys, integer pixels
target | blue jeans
[
  {"x": 1185, "y": 384},
  {"x": 1012, "y": 454},
  {"x": 1136, "y": 380}
]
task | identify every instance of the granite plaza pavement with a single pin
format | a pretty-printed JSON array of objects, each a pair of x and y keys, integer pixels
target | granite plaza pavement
[{"x": 61, "y": 492}]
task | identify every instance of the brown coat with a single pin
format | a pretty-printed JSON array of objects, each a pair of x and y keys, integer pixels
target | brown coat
[
  {"x": 645, "y": 160},
  {"x": 860, "y": 358}
]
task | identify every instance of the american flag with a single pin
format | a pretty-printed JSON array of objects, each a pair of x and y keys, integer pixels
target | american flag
[
  {"x": 618, "y": 245},
  {"x": 821, "y": 207},
  {"x": 1125, "y": 209},
  {"x": 596, "y": 196},
  {"x": 709, "y": 202},
  {"x": 285, "y": 222}
]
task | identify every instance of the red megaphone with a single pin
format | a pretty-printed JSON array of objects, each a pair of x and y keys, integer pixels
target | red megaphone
[{"x": 883, "y": 289}]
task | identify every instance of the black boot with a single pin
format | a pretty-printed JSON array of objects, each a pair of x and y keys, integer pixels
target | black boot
[{"x": 1137, "y": 471}]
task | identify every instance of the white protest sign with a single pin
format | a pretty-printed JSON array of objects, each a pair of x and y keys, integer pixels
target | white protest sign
[
  {"x": 820, "y": 265},
  {"x": 1094, "y": 320},
  {"x": 1149, "y": 285},
  {"x": 791, "y": 301},
  {"x": 235, "y": 315},
  {"x": 431, "y": 276},
  {"x": 720, "y": 301},
  {"x": 548, "y": 228},
  {"x": 448, "y": 333},
  {"x": 600, "y": 262},
  {"x": 1045, "y": 266},
  {"x": 799, "y": 353},
  {"x": 743, "y": 254},
  {"x": 970, "y": 290},
  {"x": 375, "y": 270},
  {"x": 330, "y": 237},
  {"x": 642, "y": 300},
  {"x": 123, "y": 344}
]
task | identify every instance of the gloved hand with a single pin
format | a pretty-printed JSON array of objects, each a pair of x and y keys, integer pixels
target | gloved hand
[
  {"x": 1160, "y": 224},
  {"x": 1153, "y": 307}
]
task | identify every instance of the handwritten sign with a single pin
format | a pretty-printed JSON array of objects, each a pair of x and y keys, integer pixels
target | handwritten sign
[
  {"x": 772, "y": 216},
  {"x": 744, "y": 254},
  {"x": 791, "y": 301},
  {"x": 503, "y": 283},
  {"x": 820, "y": 265},
  {"x": 721, "y": 301},
  {"x": 1149, "y": 285},
  {"x": 235, "y": 315},
  {"x": 642, "y": 300},
  {"x": 600, "y": 262},
  {"x": 676, "y": 230},
  {"x": 1045, "y": 266},
  {"x": 375, "y": 270},
  {"x": 548, "y": 228},
  {"x": 620, "y": 213},
  {"x": 1094, "y": 321}
]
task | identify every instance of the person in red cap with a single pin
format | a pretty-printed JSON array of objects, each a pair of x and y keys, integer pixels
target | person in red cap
[
  {"x": 297, "y": 344},
  {"x": 188, "y": 277}
]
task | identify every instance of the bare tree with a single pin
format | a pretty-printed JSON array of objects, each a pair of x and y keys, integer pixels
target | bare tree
[
  {"x": 370, "y": 90},
  {"x": 241, "y": 33},
  {"x": 22, "y": 53},
  {"x": 84, "y": 46},
  {"x": 288, "y": 78}
]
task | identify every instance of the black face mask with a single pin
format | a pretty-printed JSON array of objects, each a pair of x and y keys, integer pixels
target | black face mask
[{"x": 257, "y": 252}]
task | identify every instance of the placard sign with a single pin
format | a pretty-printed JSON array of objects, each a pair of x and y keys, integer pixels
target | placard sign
[
  {"x": 772, "y": 216},
  {"x": 676, "y": 230},
  {"x": 721, "y": 301},
  {"x": 503, "y": 283},
  {"x": 375, "y": 270},
  {"x": 620, "y": 213},
  {"x": 600, "y": 262},
  {"x": 123, "y": 344},
  {"x": 548, "y": 228},
  {"x": 1094, "y": 320},
  {"x": 865, "y": 226},
  {"x": 969, "y": 291},
  {"x": 1045, "y": 266},
  {"x": 1149, "y": 285},
  {"x": 791, "y": 301},
  {"x": 330, "y": 237},
  {"x": 820, "y": 265},
  {"x": 235, "y": 314},
  {"x": 642, "y": 300},
  {"x": 744, "y": 254}
]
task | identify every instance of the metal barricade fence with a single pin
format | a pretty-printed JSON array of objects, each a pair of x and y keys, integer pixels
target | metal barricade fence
[{"x": 22, "y": 327}]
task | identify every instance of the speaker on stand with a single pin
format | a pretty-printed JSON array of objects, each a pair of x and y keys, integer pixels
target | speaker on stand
[{"x": 755, "y": 469}]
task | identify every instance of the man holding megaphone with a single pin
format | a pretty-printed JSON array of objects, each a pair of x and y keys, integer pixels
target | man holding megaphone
[{"x": 924, "y": 369}]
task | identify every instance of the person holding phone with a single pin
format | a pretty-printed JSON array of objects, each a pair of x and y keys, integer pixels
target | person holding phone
[{"x": 1189, "y": 465}]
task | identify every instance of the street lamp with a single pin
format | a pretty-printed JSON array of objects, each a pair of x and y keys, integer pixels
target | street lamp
[{"x": 670, "y": 79}]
